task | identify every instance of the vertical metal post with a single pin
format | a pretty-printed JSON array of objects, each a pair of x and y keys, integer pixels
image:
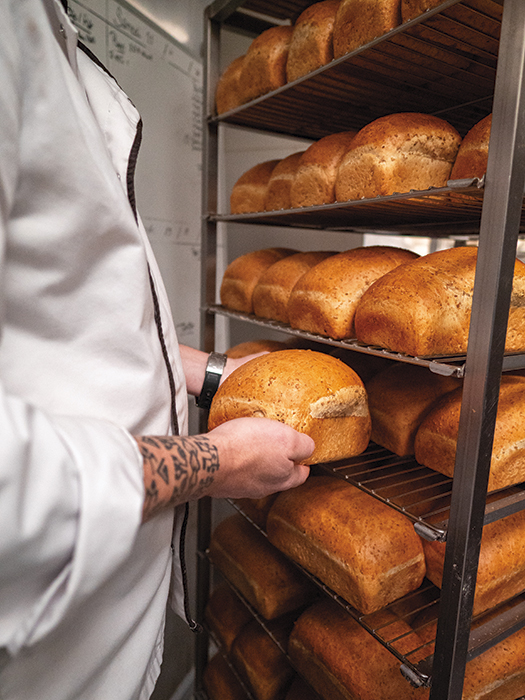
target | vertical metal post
[
  {"x": 207, "y": 329},
  {"x": 500, "y": 222}
]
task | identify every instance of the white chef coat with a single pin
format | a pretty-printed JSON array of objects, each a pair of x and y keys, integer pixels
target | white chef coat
[{"x": 83, "y": 586}]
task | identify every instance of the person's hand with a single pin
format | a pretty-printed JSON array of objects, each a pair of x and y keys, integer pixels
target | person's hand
[{"x": 258, "y": 457}]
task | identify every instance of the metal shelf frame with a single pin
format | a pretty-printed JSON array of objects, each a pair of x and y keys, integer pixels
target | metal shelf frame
[{"x": 498, "y": 234}]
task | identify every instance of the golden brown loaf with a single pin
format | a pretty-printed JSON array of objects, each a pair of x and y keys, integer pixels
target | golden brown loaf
[
  {"x": 251, "y": 347},
  {"x": 397, "y": 153},
  {"x": 270, "y": 296},
  {"x": 280, "y": 183},
  {"x": 436, "y": 439},
  {"x": 325, "y": 298},
  {"x": 361, "y": 548},
  {"x": 343, "y": 661},
  {"x": 359, "y": 21},
  {"x": 501, "y": 568},
  {"x": 220, "y": 682},
  {"x": 314, "y": 393},
  {"x": 264, "y": 67},
  {"x": 399, "y": 398},
  {"x": 498, "y": 673},
  {"x": 243, "y": 273},
  {"x": 262, "y": 574},
  {"x": 312, "y": 46},
  {"x": 261, "y": 664},
  {"x": 226, "y": 615},
  {"x": 473, "y": 153},
  {"x": 228, "y": 95},
  {"x": 365, "y": 365},
  {"x": 423, "y": 308},
  {"x": 250, "y": 191},
  {"x": 414, "y": 8},
  {"x": 314, "y": 182}
]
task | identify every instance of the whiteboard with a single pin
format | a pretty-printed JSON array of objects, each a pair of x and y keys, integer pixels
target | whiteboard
[{"x": 164, "y": 82}]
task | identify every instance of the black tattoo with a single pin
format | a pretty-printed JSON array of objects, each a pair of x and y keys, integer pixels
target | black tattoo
[{"x": 194, "y": 461}]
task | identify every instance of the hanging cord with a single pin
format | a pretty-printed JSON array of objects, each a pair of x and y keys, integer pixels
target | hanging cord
[{"x": 192, "y": 624}]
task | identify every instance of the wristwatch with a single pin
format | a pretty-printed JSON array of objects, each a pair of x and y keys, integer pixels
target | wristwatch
[{"x": 212, "y": 378}]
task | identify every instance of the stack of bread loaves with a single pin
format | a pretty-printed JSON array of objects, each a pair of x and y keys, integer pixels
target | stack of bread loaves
[
  {"x": 394, "y": 154},
  {"x": 423, "y": 308},
  {"x": 323, "y": 31}
]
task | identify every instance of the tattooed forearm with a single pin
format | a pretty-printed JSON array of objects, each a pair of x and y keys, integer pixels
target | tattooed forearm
[{"x": 176, "y": 470}]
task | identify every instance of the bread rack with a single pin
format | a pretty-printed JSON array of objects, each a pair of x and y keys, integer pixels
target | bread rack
[{"x": 461, "y": 60}]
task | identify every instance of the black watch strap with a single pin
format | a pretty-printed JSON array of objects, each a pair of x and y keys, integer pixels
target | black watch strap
[{"x": 212, "y": 378}]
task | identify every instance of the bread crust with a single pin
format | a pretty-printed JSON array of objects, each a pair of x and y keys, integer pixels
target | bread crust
[
  {"x": 436, "y": 439},
  {"x": 243, "y": 273},
  {"x": 264, "y": 67},
  {"x": 314, "y": 393},
  {"x": 314, "y": 182},
  {"x": 423, "y": 308},
  {"x": 257, "y": 569},
  {"x": 226, "y": 615},
  {"x": 278, "y": 195},
  {"x": 414, "y": 8},
  {"x": 325, "y": 298},
  {"x": 342, "y": 660},
  {"x": 220, "y": 682},
  {"x": 312, "y": 39},
  {"x": 358, "y": 546},
  {"x": 399, "y": 398},
  {"x": 359, "y": 21},
  {"x": 271, "y": 294},
  {"x": 251, "y": 189},
  {"x": 472, "y": 157},
  {"x": 397, "y": 153},
  {"x": 228, "y": 94}
]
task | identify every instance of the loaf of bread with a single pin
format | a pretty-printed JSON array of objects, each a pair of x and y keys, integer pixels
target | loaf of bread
[
  {"x": 314, "y": 393},
  {"x": 228, "y": 95},
  {"x": 414, "y": 8},
  {"x": 256, "y": 509},
  {"x": 262, "y": 666},
  {"x": 251, "y": 189},
  {"x": 473, "y": 153},
  {"x": 264, "y": 66},
  {"x": 312, "y": 39},
  {"x": 314, "y": 182},
  {"x": 498, "y": 673},
  {"x": 436, "y": 439},
  {"x": 259, "y": 571},
  {"x": 243, "y": 273},
  {"x": 325, "y": 298},
  {"x": 423, "y": 308},
  {"x": 226, "y": 615},
  {"x": 280, "y": 183},
  {"x": 361, "y": 548},
  {"x": 399, "y": 398},
  {"x": 343, "y": 661},
  {"x": 220, "y": 681},
  {"x": 359, "y": 21},
  {"x": 251, "y": 347},
  {"x": 397, "y": 153},
  {"x": 270, "y": 296},
  {"x": 501, "y": 567}
]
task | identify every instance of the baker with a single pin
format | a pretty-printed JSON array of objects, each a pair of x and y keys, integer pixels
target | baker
[{"x": 95, "y": 461}]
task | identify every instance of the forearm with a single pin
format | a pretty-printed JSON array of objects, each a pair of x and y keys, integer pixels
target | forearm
[{"x": 176, "y": 470}]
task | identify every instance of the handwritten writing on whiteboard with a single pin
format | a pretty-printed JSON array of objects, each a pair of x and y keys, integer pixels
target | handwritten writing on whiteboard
[{"x": 164, "y": 81}]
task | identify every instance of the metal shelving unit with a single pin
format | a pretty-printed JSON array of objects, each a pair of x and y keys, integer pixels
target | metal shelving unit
[{"x": 461, "y": 60}]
